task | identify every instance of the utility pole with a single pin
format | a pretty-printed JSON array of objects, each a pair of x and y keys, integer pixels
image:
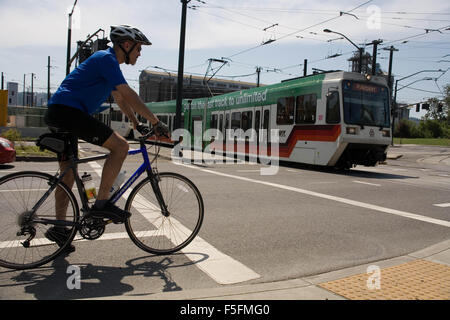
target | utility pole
[
  {"x": 32, "y": 94},
  {"x": 258, "y": 72},
  {"x": 2, "y": 80},
  {"x": 69, "y": 38},
  {"x": 305, "y": 67},
  {"x": 375, "y": 44},
  {"x": 24, "y": 90},
  {"x": 178, "y": 110},
  {"x": 391, "y": 54},
  {"x": 48, "y": 80},
  {"x": 394, "y": 101}
]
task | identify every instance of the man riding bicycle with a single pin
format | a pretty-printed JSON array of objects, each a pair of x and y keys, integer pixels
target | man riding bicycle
[{"x": 79, "y": 96}]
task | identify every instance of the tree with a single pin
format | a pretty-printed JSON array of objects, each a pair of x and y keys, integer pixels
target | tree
[{"x": 438, "y": 110}]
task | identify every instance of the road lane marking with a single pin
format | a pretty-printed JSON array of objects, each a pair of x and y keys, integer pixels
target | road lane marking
[
  {"x": 442, "y": 205},
  {"x": 330, "y": 197},
  {"x": 367, "y": 183},
  {"x": 220, "y": 267}
]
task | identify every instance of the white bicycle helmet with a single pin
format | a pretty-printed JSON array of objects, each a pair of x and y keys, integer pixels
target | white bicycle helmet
[{"x": 122, "y": 33}]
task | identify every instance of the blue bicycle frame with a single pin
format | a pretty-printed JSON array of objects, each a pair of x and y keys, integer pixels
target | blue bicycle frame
[{"x": 145, "y": 167}]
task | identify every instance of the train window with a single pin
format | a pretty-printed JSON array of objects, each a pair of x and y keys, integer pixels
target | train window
[
  {"x": 266, "y": 120},
  {"x": 221, "y": 122},
  {"x": 247, "y": 120},
  {"x": 235, "y": 120},
  {"x": 306, "y": 108},
  {"x": 285, "y": 110},
  {"x": 227, "y": 121},
  {"x": 116, "y": 115},
  {"x": 164, "y": 119},
  {"x": 257, "y": 120},
  {"x": 213, "y": 123},
  {"x": 333, "y": 113},
  {"x": 141, "y": 119}
]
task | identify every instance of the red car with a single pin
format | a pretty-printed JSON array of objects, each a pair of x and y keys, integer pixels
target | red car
[{"x": 7, "y": 151}]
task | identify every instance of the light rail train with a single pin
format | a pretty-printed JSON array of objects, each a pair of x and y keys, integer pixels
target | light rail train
[{"x": 339, "y": 119}]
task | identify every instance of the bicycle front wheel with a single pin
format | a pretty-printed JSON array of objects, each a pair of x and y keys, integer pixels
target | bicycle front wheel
[
  {"x": 164, "y": 233},
  {"x": 24, "y": 232}
]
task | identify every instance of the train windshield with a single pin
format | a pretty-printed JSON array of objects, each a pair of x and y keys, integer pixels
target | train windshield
[{"x": 365, "y": 104}]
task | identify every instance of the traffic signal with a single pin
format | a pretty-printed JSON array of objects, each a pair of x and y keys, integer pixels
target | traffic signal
[
  {"x": 440, "y": 107},
  {"x": 100, "y": 44},
  {"x": 84, "y": 51}
]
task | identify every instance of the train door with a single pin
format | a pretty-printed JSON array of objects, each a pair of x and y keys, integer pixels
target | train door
[{"x": 262, "y": 123}]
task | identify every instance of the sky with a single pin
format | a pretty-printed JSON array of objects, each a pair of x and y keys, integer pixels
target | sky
[{"x": 235, "y": 30}]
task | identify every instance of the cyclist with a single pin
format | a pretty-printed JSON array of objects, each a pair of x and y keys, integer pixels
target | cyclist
[{"x": 79, "y": 96}]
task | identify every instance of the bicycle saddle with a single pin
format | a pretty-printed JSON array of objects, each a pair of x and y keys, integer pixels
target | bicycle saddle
[{"x": 56, "y": 141}]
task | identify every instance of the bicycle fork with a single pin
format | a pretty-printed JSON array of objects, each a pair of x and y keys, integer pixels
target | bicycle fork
[{"x": 154, "y": 181}]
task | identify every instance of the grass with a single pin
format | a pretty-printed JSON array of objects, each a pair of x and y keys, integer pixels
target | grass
[
  {"x": 23, "y": 150},
  {"x": 423, "y": 141}
]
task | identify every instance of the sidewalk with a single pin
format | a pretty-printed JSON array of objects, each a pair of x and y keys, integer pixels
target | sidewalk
[{"x": 422, "y": 275}]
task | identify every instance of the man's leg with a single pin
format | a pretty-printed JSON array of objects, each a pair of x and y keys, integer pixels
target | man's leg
[
  {"x": 118, "y": 147},
  {"x": 61, "y": 198}
]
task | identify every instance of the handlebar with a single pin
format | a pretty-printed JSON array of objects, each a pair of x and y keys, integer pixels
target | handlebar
[{"x": 147, "y": 132}]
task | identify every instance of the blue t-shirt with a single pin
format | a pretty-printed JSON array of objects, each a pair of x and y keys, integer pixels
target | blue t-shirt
[{"x": 91, "y": 83}]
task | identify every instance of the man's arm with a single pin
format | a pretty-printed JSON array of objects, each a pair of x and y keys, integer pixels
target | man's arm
[
  {"x": 125, "y": 108},
  {"x": 133, "y": 101}
]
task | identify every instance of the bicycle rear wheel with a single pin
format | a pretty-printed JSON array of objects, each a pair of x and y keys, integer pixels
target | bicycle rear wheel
[
  {"x": 23, "y": 242},
  {"x": 156, "y": 233}
]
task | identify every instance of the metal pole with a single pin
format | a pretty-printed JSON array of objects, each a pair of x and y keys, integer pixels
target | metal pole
[
  {"x": 177, "y": 123},
  {"x": 2, "y": 80},
  {"x": 48, "y": 80},
  {"x": 305, "y": 67},
  {"x": 395, "y": 97},
  {"x": 258, "y": 72},
  {"x": 374, "y": 55},
  {"x": 361, "y": 52},
  {"x": 394, "y": 111},
  {"x": 32, "y": 94},
  {"x": 69, "y": 39},
  {"x": 24, "y": 90},
  {"x": 391, "y": 55}
]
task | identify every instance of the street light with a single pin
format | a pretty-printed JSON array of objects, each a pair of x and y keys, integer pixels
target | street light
[
  {"x": 178, "y": 110},
  {"x": 361, "y": 50},
  {"x": 69, "y": 35},
  {"x": 394, "y": 104}
]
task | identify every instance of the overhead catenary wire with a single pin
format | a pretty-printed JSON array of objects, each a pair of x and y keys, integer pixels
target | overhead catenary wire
[{"x": 298, "y": 31}]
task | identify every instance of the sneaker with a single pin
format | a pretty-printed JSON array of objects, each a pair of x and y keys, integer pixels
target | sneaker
[
  {"x": 60, "y": 235},
  {"x": 111, "y": 212}
]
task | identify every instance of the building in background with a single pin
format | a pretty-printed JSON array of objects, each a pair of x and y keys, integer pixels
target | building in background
[
  {"x": 13, "y": 93},
  {"x": 162, "y": 86}
]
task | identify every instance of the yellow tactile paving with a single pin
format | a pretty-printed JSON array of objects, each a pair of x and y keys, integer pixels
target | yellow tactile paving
[{"x": 417, "y": 280}]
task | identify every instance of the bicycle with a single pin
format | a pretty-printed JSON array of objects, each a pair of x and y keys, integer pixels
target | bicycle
[{"x": 166, "y": 208}]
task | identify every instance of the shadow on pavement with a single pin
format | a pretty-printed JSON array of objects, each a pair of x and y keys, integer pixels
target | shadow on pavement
[{"x": 59, "y": 281}]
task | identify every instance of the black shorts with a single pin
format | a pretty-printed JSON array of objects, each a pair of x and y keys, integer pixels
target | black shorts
[{"x": 79, "y": 123}]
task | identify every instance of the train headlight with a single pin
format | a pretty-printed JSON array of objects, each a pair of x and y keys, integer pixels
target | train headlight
[
  {"x": 386, "y": 133},
  {"x": 352, "y": 130}
]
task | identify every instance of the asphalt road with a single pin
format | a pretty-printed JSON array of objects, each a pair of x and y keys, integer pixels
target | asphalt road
[{"x": 260, "y": 228}]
